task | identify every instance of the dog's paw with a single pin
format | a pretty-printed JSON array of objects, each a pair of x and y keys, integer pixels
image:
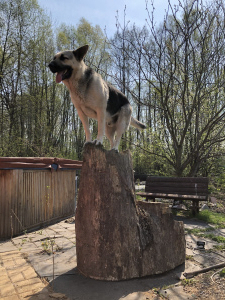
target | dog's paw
[
  {"x": 116, "y": 150},
  {"x": 97, "y": 142},
  {"x": 88, "y": 142}
]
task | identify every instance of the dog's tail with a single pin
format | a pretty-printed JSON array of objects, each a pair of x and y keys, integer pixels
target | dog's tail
[{"x": 137, "y": 124}]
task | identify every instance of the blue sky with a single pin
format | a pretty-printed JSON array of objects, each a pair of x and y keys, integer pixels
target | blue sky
[{"x": 103, "y": 12}]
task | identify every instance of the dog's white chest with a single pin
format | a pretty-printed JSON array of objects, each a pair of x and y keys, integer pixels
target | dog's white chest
[
  {"x": 80, "y": 105},
  {"x": 90, "y": 113}
]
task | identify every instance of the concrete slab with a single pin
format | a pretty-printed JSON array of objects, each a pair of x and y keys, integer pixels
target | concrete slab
[
  {"x": 219, "y": 231},
  {"x": 78, "y": 287},
  {"x": 193, "y": 223},
  {"x": 63, "y": 262},
  {"x": 140, "y": 296},
  {"x": 191, "y": 242},
  {"x": 208, "y": 259},
  {"x": 176, "y": 293},
  {"x": 7, "y": 246}
]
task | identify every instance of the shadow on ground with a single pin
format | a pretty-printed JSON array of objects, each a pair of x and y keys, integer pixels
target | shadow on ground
[{"x": 77, "y": 287}]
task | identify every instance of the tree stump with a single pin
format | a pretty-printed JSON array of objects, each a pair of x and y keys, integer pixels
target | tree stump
[{"x": 118, "y": 238}]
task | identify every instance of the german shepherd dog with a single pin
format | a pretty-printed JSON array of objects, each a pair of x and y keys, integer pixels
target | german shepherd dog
[{"x": 93, "y": 97}]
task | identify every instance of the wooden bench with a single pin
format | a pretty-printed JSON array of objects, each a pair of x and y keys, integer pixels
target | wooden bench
[{"x": 177, "y": 188}]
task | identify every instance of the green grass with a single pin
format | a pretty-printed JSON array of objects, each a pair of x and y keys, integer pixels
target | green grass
[
  {"x": 212, "y": 218},
  {"x": 188, "y": 282},
  {"x": 204, "y": 232},
  {"x": 220, "y": 247},
  {"x": 222, "y": 273},
  {"x": 216, "y": 238},
  {"x": 189, "y": 257},
  {"x": 139, "y": 198},
  {"x": 198, "y": 231}
]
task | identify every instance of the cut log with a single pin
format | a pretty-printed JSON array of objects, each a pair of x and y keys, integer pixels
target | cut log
[{"x": 118, "y": 238}]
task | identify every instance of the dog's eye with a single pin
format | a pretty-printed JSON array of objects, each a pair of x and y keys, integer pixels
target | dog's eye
[{"x": 62, "y": 57}]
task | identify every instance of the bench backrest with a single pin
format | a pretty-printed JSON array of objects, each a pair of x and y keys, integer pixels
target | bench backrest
[{"x": 177, "y": 185}]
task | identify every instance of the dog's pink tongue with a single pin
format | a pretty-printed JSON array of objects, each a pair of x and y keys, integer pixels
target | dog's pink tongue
[{"x": 59, "y": 77}]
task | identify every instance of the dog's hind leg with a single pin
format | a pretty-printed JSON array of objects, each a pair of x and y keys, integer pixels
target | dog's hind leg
[
  {"x": 110, "y": 133},
  {"x": 122, "y": 124},
  {"x": 119, "y": 132}
]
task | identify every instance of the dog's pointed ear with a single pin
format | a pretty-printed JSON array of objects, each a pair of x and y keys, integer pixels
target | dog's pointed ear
[{"x": 80, "y": 52}]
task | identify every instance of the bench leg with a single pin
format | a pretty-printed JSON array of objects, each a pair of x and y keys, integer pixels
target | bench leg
[
  {"x": 149, "y": 198},
  {"x": 195, "y": 207}
]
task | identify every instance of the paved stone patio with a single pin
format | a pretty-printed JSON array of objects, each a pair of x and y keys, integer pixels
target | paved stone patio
[{"x": 30, "y": 261}]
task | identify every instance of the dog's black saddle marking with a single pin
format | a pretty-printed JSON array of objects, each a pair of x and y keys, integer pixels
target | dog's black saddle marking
[{"x": 116, "y": 100}]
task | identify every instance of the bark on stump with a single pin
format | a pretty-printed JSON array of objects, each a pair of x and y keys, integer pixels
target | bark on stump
[{"x": 118, "y": 238}]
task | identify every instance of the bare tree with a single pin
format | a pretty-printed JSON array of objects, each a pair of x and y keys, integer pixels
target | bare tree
[
  {"x": 25, "y": 49},
  {"x": 182, "y": 61}
]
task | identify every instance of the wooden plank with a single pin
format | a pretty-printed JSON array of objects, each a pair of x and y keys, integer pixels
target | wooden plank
[
  {"x": 177, "y": 179},
  {"x": 48, "y": 160},
  {"x": 2, "y": 190},
  {"x": 67, "y": 161},
  {"x": 4, "y": 196},
  {"x": 22, "y": 165},
  {"x": 36, "y": 197},
  {"x": 38, "y": 162},
  {"x": 9, "y": 193},
  {"x": 69, "y": 166},
  {"x": 177, "y": 190},
  {"x": 171, "y": 196},
  {"x": 177, "y": 185},
  {"x": 14, "y": 206}
]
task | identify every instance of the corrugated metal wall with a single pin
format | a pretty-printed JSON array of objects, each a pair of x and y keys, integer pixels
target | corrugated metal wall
[{"x": 32, "y": 198}]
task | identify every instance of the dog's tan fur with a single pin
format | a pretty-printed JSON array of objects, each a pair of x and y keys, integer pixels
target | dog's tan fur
[{"x": 93, "y": 97}]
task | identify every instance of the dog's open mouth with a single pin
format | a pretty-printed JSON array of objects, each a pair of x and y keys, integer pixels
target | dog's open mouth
[
  {"x": 62, "y": 72},
  {"x": 62, "y": 75}
]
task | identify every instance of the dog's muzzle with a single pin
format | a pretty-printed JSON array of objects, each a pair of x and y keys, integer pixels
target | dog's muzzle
[{"x": 63, "y": 72}]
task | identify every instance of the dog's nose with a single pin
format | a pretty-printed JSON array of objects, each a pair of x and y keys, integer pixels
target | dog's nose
[{"x": 52, "y": 66}]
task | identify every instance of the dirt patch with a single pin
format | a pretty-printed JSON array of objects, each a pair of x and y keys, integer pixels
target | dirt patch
[
  {"x": 204, "y": 286},
  {"x": 207, "y": 286}
]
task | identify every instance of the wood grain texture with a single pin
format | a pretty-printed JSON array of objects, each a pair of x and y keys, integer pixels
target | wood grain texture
[{"x": 118, "y": 238}]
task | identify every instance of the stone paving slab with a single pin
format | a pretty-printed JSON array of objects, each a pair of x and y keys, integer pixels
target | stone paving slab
[
  {"x": 191, "y": 243},
  {"x": 176, "y": 293},
  {"x": 7, "y": 246},
  {"x": 63, "y": 262},
  {"x": 18, "y": 279}
]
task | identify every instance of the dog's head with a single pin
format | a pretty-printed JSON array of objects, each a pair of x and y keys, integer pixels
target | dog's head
[{"x": 66, "y": 62}]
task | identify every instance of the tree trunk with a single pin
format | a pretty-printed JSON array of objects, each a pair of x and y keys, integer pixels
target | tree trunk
[{"x": 116, "y": 237}]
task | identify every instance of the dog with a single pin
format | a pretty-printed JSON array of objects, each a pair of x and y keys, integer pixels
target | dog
[{"x": 93, "y": 97}]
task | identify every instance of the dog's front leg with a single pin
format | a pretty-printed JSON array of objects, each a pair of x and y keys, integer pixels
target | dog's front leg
[
  {"x": 101, "y": 126},
  {"x": 85, "y": 121}
]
